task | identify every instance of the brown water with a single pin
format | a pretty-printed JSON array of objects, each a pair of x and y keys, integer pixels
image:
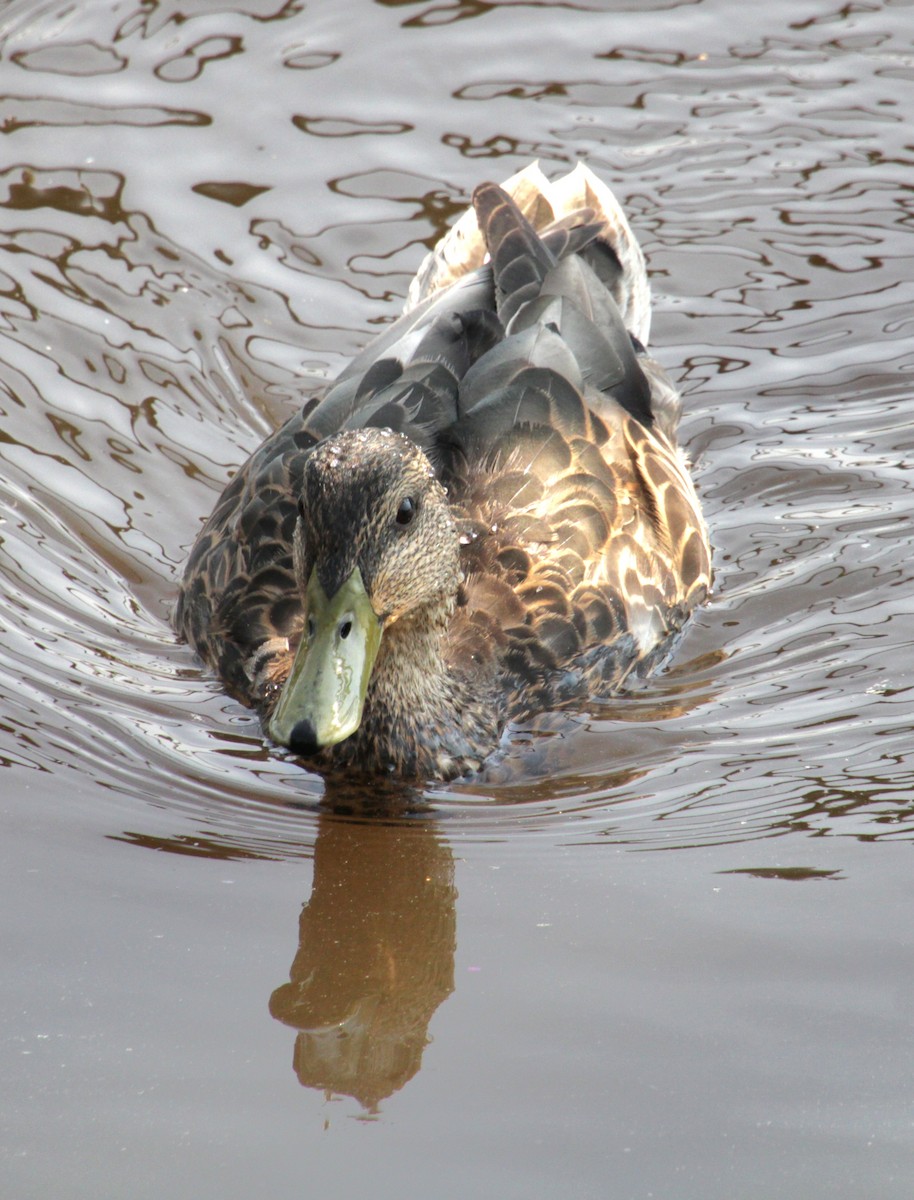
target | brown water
[{"x": 506, "y": 991}]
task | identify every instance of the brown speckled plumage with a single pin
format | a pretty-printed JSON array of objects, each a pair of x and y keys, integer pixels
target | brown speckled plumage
[{"x": 557, "y": 543}]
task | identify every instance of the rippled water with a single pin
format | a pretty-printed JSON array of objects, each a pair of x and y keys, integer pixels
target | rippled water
[{"x": 205, "y": 211}]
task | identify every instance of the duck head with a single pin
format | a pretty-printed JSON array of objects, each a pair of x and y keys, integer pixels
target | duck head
[{"x": 374, "y": 544}]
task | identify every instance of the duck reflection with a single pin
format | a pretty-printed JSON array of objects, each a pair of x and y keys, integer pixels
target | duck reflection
[{"x": 375, "y": 956}]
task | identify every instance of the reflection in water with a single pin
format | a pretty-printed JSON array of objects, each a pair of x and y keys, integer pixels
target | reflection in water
[
  {"x": 375, "y": 957},
  {"x": 793, "y": 874}
]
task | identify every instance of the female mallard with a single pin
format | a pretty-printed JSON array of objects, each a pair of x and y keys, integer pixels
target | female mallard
[{"x": 485, "y": 516}]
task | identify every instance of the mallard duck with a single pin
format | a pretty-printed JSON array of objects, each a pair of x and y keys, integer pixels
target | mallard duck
[{"x": 485, "y": 516}]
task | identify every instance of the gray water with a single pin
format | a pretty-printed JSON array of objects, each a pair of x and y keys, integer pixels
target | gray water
[{"x": 219, "y": 981}]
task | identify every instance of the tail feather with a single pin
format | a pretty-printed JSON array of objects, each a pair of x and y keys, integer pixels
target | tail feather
[
  {"x": 559, "y": 210},
  {"x": 520, "y": 259}
]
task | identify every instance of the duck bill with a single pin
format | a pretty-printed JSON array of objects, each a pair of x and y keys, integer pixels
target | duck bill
[{"x": 322, "y": 700}]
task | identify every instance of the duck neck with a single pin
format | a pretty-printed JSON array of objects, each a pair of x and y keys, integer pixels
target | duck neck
[
  {"x": 420, "y": 718},
  {"x": 410, "y": 684}
]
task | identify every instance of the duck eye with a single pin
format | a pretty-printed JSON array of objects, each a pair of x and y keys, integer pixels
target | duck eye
[{"x": 406, "y": 511}]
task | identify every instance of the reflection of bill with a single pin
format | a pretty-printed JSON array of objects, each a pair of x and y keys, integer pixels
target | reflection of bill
[{"x": 375, "y": 956}]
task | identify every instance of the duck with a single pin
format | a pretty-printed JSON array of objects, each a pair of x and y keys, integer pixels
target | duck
[{"x": 485, "y": 517}]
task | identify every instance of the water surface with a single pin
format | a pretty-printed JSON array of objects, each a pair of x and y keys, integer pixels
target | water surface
[{"x": 220, "y": 980}]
